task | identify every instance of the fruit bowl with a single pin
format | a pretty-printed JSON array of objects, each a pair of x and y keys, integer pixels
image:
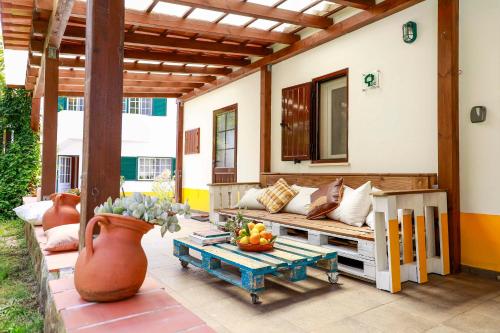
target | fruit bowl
[{"x": 255, "y": 247}]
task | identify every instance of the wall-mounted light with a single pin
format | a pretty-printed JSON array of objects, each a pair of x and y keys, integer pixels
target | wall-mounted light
[{"x": 409, "y": 32}]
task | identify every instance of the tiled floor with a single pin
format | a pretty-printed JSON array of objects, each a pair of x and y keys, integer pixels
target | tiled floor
[{"x": 457, "y": 303}]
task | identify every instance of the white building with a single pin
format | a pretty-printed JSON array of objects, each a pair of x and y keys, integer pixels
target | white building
[{"x": 148, "y": 141}]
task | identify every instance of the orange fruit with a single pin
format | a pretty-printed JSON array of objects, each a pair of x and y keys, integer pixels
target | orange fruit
[
  {"x": 266, "y": 234},
  {"x": 250, "y": 226},
  {"x": 255, "y": 239}
]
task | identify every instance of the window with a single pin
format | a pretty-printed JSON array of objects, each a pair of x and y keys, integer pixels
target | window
[
  {"x": 142, "y": 106},
  {"x": 330, "y": 118},
  {"x": 192, "y": 141},
  {"x": 75, "y": 103},
  {"x": 152, "y": 167},
  {"x": 224, "y": 144}
]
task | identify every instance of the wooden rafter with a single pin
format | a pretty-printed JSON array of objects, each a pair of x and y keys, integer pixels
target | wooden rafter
[
  {"x": 259, "y": 11},
  {"x": 67, "y": 81},
  {"x": 361, "y": 4},
  {"x": 74, "y": 49},
  {"x": 133, "y": 66},
  {"x": 163, "y": 21},
  {"x": 143, "y": 40},
  {"x": 131, "y": 89},
  {"x": 150, "y": 77}
]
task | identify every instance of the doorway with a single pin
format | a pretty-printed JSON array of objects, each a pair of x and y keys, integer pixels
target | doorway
[
  {"x": 67, "y": 172},
  {"x": 225, "y": 134}
]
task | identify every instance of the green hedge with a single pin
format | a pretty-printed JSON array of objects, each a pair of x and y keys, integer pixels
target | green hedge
[{"x": 19, "y": 158}]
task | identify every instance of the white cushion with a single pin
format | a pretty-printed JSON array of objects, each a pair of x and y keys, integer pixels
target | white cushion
[
  {"x": 33, "y": 212},
  {"x": 355, "y": 205},
  {"x": 301, "y": 202},
  {"x": 62, "y": 238},
  {"x": 370, "y": 219},
  {"x": 249, "y": 199}
]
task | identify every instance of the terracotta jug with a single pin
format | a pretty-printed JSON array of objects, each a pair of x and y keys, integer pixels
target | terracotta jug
[
  {"x": 112, "y": 266},
  {"x": 63, "y": 211}
]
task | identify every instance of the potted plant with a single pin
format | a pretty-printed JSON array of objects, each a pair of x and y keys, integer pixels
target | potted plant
[{"x": 113, "y": 266}]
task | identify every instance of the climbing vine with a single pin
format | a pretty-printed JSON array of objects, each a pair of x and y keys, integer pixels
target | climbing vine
[{"x": 19, "y": 150}]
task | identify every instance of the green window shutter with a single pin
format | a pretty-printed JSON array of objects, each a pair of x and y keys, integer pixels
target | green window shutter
[
  {"x": 62, "y": 103},
  {"x": 159, "y": 107},
  {"x": 174, "y": 164},
  {"x": 129, "y": 167}
]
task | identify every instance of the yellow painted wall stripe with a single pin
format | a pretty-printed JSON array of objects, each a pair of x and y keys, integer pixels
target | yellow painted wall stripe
[
  {"x": 407, "y": 239},
  {"x": 445, "y": 250},
  {"x": 394, "y": 256},
  {"x": 422, "y": 256},
  {"x": 480, "y": 240},
  {"x": 198, "y": 199}
]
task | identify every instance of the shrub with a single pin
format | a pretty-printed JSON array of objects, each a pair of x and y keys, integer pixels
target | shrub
[{"x": 19, "y": 150}]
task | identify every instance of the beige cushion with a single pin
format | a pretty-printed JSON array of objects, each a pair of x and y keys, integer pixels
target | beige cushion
[
  {"x": 355, "y": 205},
  {"x": 301, "y": 202},
  {"x": 277, "y": 196},
  {"x": 249, "y": 199},
  {"x": 33, "y": 212},
  {"x": 62, "y": 238}
]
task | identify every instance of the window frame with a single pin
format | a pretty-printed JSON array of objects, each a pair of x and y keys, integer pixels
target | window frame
[
  {"x": 139, "y": 103},
  {"x": 139, "y": 158},
  {"x": 315, "y": 118},
  {"x": 76, "y": 101}
]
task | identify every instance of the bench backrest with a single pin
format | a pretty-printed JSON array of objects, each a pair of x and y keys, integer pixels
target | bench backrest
[{"x": 382, "y": 181}]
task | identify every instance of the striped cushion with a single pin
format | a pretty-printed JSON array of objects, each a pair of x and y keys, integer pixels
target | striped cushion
[{"x": 277, "y": 196}]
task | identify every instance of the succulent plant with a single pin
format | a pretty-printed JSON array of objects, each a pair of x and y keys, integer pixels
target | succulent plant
[{"x": 162, "y": 212}]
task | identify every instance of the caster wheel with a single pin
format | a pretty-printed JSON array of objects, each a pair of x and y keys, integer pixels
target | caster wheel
[
  {"x": 184, "y": 264},
  {"x": 255, "y": 299},
  {"x": 333, "y": 278}
]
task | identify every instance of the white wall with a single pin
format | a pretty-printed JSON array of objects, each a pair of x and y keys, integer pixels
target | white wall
[
  {"x": 393, "y": 128},
  {"x": 141, "y": 136},
  {"x": 480, "y": 85},
  {"x": 197, "y": 171}
]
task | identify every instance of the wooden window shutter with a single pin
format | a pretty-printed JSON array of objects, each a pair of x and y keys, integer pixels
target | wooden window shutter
[
  {"x": 159, "y": 107},
  {"x": 295, "y": 123},
  {"x": 192, "y": 141},
  {"x": 62, "y": 103}
]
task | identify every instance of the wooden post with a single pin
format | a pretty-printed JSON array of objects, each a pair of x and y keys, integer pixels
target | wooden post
[
  {"x": 102, "y": 126},
  {"x": 179, "y": 151},
  {"x": 35, "y": 114},
  {"x": 265, "y": 118},
  {"x": 448, "y": 125},
  {"x": 49, "y": 148}
]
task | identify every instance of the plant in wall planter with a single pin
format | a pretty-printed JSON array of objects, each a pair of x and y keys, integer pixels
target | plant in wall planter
[{"x": 113, "y": 266}]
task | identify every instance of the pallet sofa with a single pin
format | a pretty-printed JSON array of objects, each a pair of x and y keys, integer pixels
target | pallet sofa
[{"x": 355, "y": 246}]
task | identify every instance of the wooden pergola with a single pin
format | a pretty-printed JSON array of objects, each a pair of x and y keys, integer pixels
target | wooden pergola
[{"x": 182, "y": 49}]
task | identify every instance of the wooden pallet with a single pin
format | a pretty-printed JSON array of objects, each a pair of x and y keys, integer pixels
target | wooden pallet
[{"x": 289, "y": 260}]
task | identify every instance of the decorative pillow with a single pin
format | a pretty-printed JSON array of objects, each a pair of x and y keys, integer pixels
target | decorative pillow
[
  {"x": 325, "y": 199},
  {"x": 355, "y": 206},
  {"x": 277, "y": 196},
  {"x": 33, "y": 212},
  {"x": 301, "y": 202},
  {"x": 62, "y": 238},
  {"x": 249, "y": 199},
  {"x": 370, "y": 219}
]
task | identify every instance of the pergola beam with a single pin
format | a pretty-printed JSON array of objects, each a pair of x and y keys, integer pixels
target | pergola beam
[
  {"x": 259, "y": 11},
  {"x": 154, "y": 56},
  {"x": 57, "y": 24},
  {"x": 170, "y": 22},
  {"x": 133, "y": 66},
  {"x": 65, "y": 81},
  {"x": 131, "y": 90},
  {"x": 147, "y": 94},
  {"x": 360, "y": 4}
]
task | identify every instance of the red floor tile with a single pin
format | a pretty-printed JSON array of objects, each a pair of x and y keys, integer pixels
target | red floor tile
[
  {"x": 174, "y": 319},
  {"x": 103, "y": 312}
]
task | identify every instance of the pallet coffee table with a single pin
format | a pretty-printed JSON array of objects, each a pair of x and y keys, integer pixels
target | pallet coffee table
[{"x": 288, "y": 260}]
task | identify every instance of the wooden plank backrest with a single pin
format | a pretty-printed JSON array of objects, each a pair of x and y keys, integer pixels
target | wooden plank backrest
[{"x": 387, "y": 181}]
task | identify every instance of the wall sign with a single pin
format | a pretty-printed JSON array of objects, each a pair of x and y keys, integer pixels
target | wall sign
[{"x": 371, "y": 80}]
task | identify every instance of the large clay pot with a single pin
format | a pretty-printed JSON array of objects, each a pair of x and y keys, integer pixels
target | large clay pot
[
  {"x": 63, "y": 211},
  {"x": 112, "y": 266}
]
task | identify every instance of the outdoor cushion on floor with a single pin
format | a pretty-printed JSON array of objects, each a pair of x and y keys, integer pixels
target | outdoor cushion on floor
[
  {"x": 62, "y": 238},
  {"x": 33, "y": 212}
]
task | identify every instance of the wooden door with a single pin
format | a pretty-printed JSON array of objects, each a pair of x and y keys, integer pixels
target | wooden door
[{"x": 224, "y": 145}]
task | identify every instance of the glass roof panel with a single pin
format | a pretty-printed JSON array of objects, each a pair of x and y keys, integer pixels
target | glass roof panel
[
  {"x": 205, "y": 15},
  {"x": 285, "y": 27},
  {"x": 322, "y": 8},
  {"x": 295, "y": 5},
  {"x": 264, "y": 2},
  {"x": 140, "y": 5},
  {"x": 238, "y": 20},
  {"x": 263, "y": 24},
  {"x": 170, "y": 9}
]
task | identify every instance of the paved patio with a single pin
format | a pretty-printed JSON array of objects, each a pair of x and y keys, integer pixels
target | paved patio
[{"x": 458, "y": 303}]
